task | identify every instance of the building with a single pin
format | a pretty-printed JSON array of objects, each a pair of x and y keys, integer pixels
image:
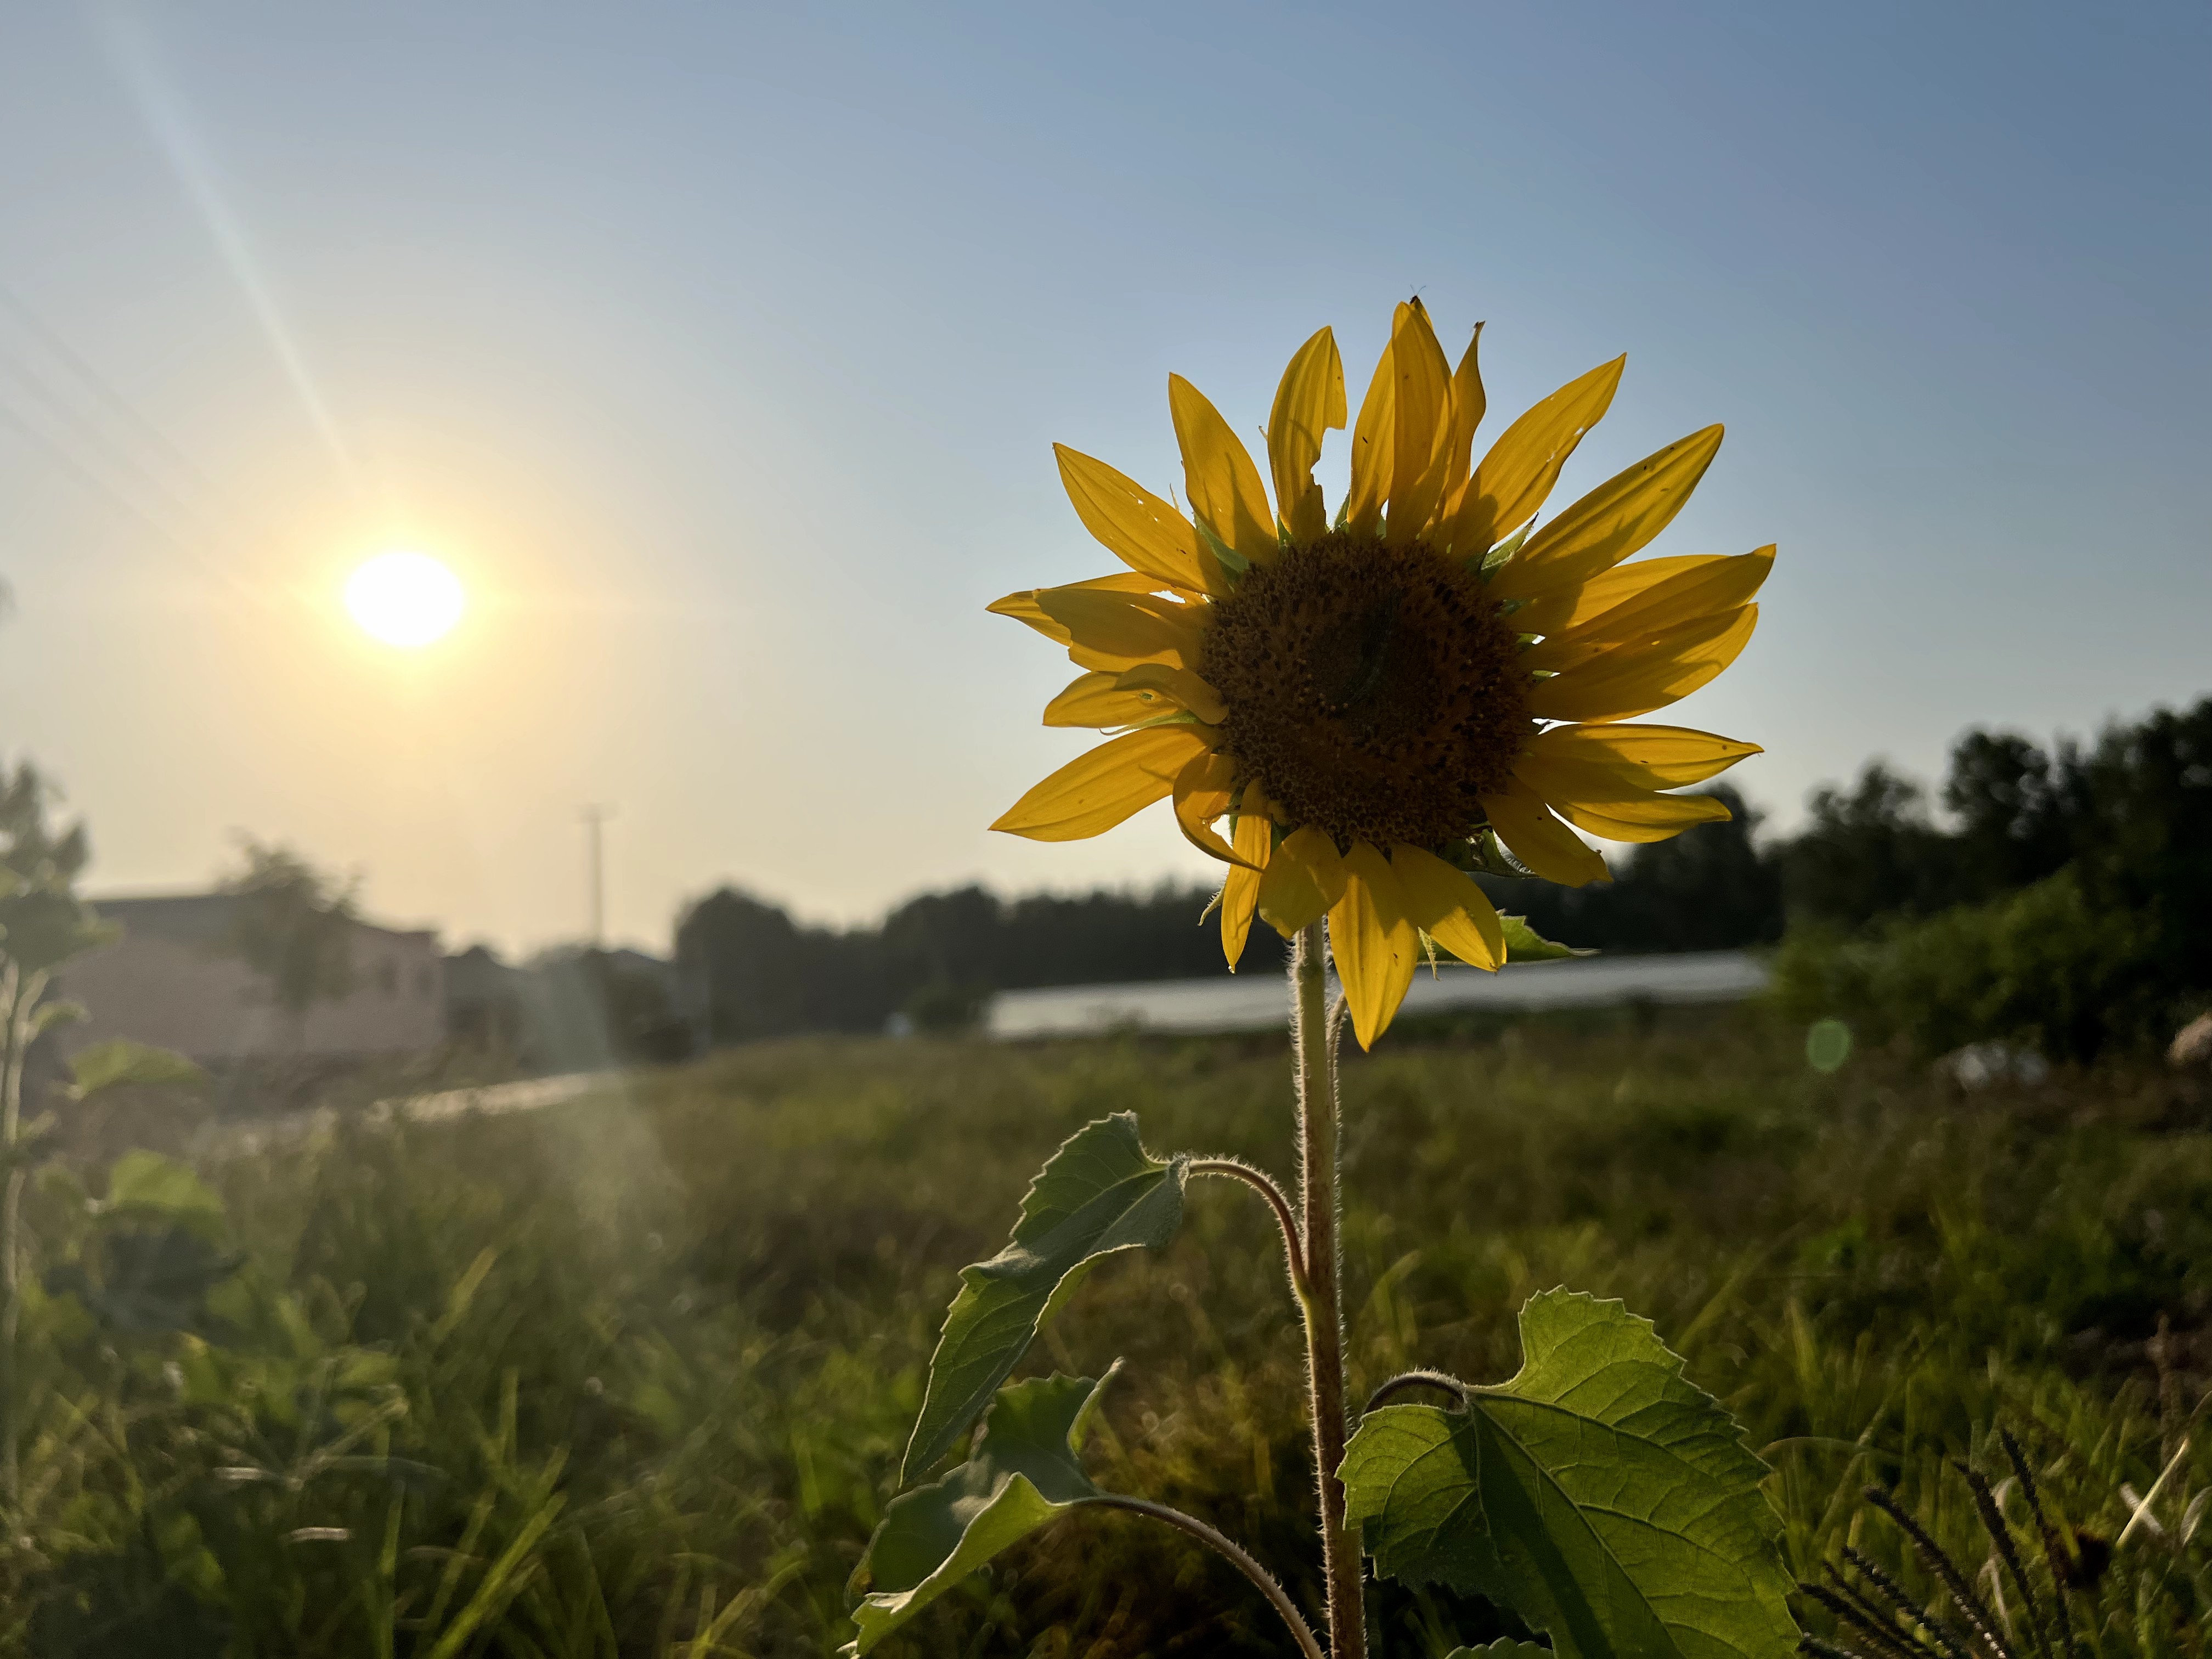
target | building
[{"x": 176, "y": 980}]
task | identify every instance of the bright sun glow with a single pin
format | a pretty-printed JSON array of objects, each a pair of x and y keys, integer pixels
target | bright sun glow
[{"x": 406, "y": 599}]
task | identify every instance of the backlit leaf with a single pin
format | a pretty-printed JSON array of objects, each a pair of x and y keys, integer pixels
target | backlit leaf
[
  {"x": 120, "y": 1061},
  {"x": 1600, "y": 1496},
  {"x": 148, "y": 1184},
  {"x": 1026, "y": 1473},
  {"x": 1100, "y": 1193}
]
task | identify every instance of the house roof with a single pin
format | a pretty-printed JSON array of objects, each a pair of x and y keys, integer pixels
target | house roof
[{"x": 202, "y": 918}]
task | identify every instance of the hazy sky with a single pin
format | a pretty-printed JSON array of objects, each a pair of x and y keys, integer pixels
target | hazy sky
[{"x": 719, "y": 348}]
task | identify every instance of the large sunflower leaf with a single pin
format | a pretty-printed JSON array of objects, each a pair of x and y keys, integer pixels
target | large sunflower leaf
[
  {"x": 1100, "y": 1193},
  {"x": 1599, "y": 1494},
  {"x": 1026, "y": 1473}
]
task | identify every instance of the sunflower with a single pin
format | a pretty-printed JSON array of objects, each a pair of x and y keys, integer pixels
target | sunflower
[{"x": 1424, "y": 686}]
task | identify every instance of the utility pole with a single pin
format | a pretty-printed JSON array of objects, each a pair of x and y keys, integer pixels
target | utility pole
[{"x": 595, "y": 819}]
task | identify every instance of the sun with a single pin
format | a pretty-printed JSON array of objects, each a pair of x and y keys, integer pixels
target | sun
[{"x": 404, "y": 598}]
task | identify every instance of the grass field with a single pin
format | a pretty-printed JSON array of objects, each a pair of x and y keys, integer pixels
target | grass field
[{"x": 632, "y": 1376}]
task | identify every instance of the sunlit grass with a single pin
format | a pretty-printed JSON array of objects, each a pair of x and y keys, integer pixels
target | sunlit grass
[{"x": 640, "y": 1369}]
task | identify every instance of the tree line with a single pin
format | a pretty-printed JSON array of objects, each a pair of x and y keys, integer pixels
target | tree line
[
  {"x": 2130, "y": 814},
  {"x": 2122, "y": 825}
]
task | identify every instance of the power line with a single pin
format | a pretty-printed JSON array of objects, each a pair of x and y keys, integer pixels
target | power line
[
  {"x": 106, "y": 392},
  {"x": 92, "y": 480},
  {"x": 76, "y": 425},
  {"x": 91, "y": 454}
]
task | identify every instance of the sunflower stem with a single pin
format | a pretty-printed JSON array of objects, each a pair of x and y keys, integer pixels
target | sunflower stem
[{"x": 1314, "y": 1039}]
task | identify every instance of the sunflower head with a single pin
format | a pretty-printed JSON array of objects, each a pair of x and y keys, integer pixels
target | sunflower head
[{"x": 1424, "y": 685}]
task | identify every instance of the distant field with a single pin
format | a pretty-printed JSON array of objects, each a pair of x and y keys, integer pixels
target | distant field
[{"x": 631, "y": 1375}]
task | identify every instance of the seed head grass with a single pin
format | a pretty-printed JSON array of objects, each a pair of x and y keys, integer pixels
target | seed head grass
[{"x": 632, "y": 1376}]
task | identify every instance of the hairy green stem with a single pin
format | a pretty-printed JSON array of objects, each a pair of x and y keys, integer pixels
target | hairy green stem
[
  {"x": 1236, "y": 1170},
  {"x": 1235, "y": 1553},
  {"x": 1314, "y": 1039}
]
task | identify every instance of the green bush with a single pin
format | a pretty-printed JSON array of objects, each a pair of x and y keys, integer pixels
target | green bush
[{"x": 2042, "y": 966}]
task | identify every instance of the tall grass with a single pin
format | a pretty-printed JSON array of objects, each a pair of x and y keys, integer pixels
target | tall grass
[{"x": 631, "y": 1376}]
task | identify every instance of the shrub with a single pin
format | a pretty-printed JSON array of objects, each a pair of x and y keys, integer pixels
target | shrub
[{"x": 2041, "y": 966}]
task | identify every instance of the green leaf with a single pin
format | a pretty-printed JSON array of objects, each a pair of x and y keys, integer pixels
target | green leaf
[
  {"x": 1524, "y": 944},
  {"x": 58, "y": 1184},
  {"x": 42, "y": 926},
  {"x": 120, "y": 1061},
  {"x": 1503, "y": 1648},
  {"x": 1024, "y": 1474},
  {"x": 149, "y": 1184},
  {"x": 1600, "y": 1496},
  {"x": 60, "y": 1011},
  {"x": 1101, "y": 1192},
  {"x": 151, "y": 1283}
]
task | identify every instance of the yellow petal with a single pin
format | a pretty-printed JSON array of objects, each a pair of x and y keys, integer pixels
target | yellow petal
[
  {"x": 1580, "y": 789},
  {"x": 1655, "y": 818},
  {"x": 1203, "y": 792},
  {"x": 1225, "y": 491},
  {"x": 1421, "y": 423},
  {"x": 1444, "y": 903},
  {"x": 1253, "y": 840},
  {"x": 1469, "y": 403},
  {"x": 1175, "y": 687},
  {"x": 1521, "y": 467},
  {"x": 1651, "y": 756},
  {"x": 1634, "y": 679},
  {"x": 1540, "y": 840},
  {"x": 1304, "y": 878},
  {"x": 1119, "y": 630},
  {"x": 1023, "y": 607},
  {"x": 1096, "y": 791},
  {"x": 1095, "y": 699},
  {"x": 1562, "y": 608},
  {"x": 1144, "y": 531},
  {"x": 1370, "y": 450},
  {"x": 1689, "y": 596},
  {"x": 1373, "y": 942},
  {"x": 1612, "y": 523},
  {"x": 1308, "y": 404}
]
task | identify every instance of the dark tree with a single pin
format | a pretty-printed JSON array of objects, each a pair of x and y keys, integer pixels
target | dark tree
[
  {"x": 2017, "y": 817},
  {"x": 293, "y": 925},
  {"x": 1873, "y": 852},
  {"x": 743, "y": 959}
]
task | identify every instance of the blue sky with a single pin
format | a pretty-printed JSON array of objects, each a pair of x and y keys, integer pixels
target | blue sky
[{"x": 720, "y": 349}]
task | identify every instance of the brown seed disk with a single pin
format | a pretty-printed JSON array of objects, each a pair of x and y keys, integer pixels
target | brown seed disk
[{"x": 1372, "y": 691}]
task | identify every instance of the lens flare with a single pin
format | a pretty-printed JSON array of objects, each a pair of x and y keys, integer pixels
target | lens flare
[{"x": 404, "y": 598}]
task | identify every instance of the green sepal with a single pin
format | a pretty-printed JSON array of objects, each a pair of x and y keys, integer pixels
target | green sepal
[
  {"x": 1100, "y": 1193},
  {"x": 1483, "y": 854},
  {"x": 1524, "y": 944},
  {"x": 1488, "y": 564},
  {"x": 1600, "y": 1495},
  {"x": 1233, "y": 564},
  {"x": 1026, "y": 1473}
]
